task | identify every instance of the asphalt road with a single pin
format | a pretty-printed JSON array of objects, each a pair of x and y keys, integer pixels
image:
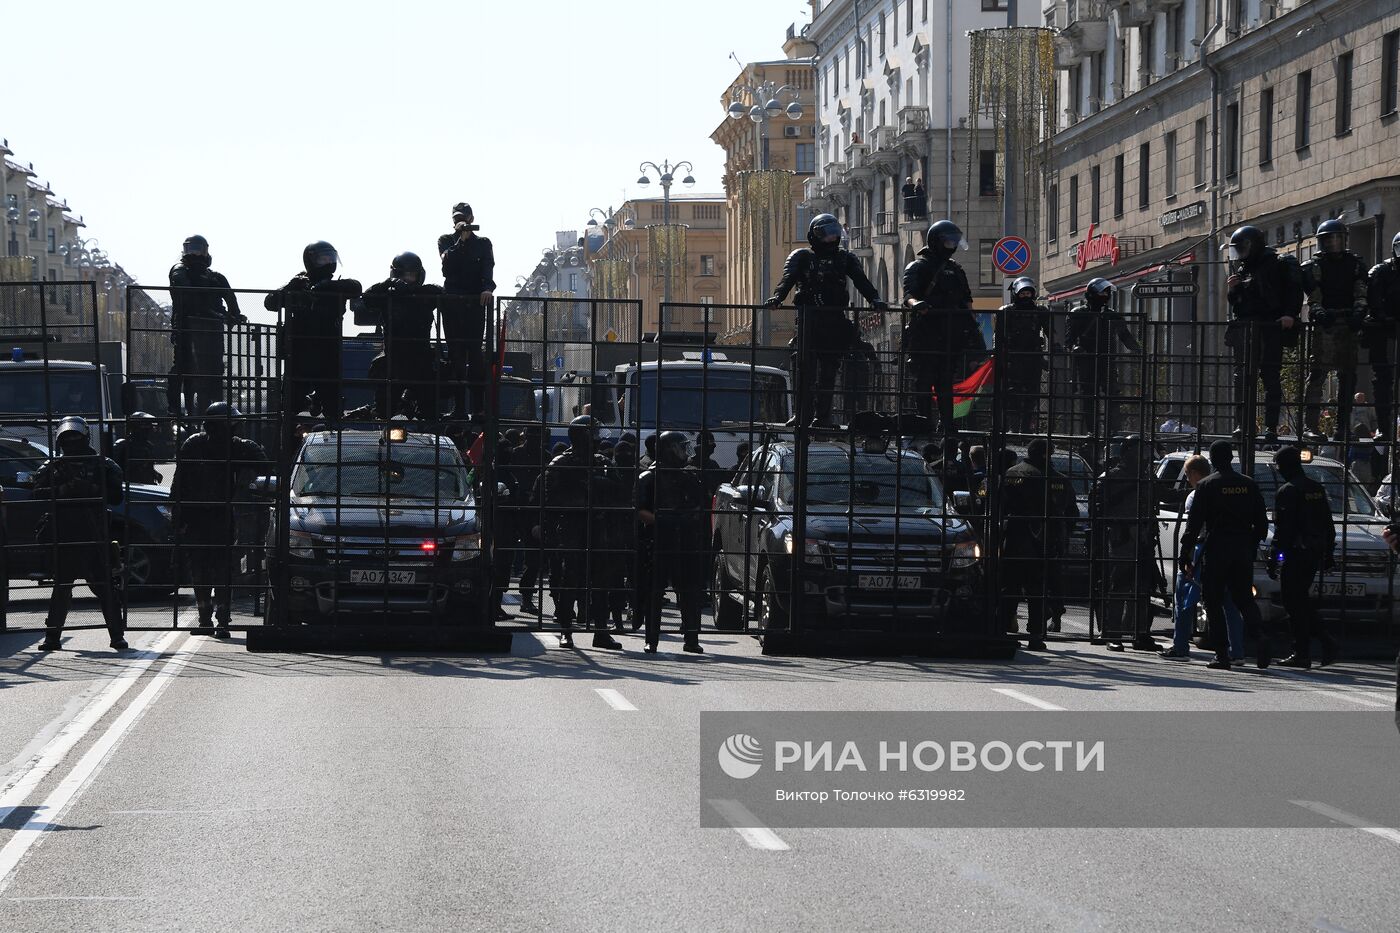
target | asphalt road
[{"x": 191, "y": 785}]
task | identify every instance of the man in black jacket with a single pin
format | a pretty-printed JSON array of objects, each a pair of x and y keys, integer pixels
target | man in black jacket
[
  {"x": 1094, "y": 333},
  {"x": 1382, "y": 319},
  {"x": 1265, "y": 294},
  {"x": 1123, "y": 509},
  {"x": 673, "y": 508},
  {"x": 1335, "y": 281},
  {"x": 78, "y": 485},
  {"x": 202, "y": 306},
  {"x": 314, "y": 302},
  {"x": 943, "y": 334},
  {"x": 1229, "y": 508},
  {"x": 1038, "y": 512},
  {"x": 1304, "y": 537},
  {"x": 468, "y": 270},
  {"x": 402, "y": 307},
  {"x": 820, "y": 274},
  {"x": 1024, "y": 329},
  {"x": 136, "y": 453}
]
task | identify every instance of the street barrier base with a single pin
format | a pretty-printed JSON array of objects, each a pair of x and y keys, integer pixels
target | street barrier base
[{"x": 360, "y": 638}]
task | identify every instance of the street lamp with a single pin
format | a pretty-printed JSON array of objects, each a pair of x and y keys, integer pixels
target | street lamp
[{"x": 665, "y": 172}]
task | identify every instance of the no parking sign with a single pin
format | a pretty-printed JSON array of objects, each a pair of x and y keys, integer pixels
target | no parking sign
[{"x": 1012, "y": 255}]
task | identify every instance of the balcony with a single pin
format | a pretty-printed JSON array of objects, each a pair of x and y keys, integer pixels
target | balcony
[
  {"x": 886, "y": 230},
  {"x": 1086, "y": 25},
  {"x": 858, "y": 241},
  {"x": 814, "y": 194},
  {"x": 859, "y": 171},
  {"x": 885, "y": 153},
  {"x": 833, "y": 182},
  {"x": 1135, "y": 12},
  {"x": 1067, "y": 54}
]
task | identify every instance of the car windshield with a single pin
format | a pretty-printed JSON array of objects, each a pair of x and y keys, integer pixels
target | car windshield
[
  {"x": 837, "y": 482},
  {"x": 326, "y": 471},
  {"x": 1334, "y": 479},
  {"x": 691, "y": 398},
  {"x": 1077, "y": 469},
  {"x": 517, "y": 401},
  {"x": 70, "y": 392}
]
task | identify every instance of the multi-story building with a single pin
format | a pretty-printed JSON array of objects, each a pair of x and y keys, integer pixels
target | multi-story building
[
  {"x": 759, "y": 238},
  {"x": 892, "y": 93}
]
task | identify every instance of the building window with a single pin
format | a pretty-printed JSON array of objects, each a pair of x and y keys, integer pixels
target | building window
[
  {"x": 1390, "y": 72},
  {"x": 1144, "y": 176},
  {"x": 882, "y": 35},
  {"x": 707, "y": 265},
  {"x": 993, "y": 6},
  {"x": 34, "y": 229},
  {"x": 847, "y": 83},
  {"x": 908, "y": 16},
  {"x": 806, "y": 158},
  {"x": 1232, "y": 141},
  {"x": 987, "y": 173},
  {"x": 1200, "y": 154},
  {"x": 707, "y": 310},
  {"x": 987, "y": 274},
  {"x": 1266, "y": 126},
  {"x": 1302, "y": 100},
  {"x": 53, "y": 240},
  {"x": 706, "y": 212},
  {"x": 804, "y": 220},
  {"x": 1176, "y": 38},
  {"x": 1073, "y": 205},
  {"x": 925, "y": 11},
  {"x": 1169, "y": 165},
  {"x": 1052, "y": 214},
  {"x": 1095, "y": 199},
  {"x": 1147, "y": 49},
  {"x": 1344, "y": 93},
  {"x": 1097, "y": 81}
]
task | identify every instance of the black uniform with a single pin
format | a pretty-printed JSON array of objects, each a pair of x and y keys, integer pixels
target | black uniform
[
  {"x": 1230, "y": 510},
  {"x": 468, "y": 269},
  {"x": 820, "y": 274},
  {"x": 1038, "y": 512},
  {"x": 1096, "y": 340},
  {"x": 942, "y": 337},
  {"x": 1383, "y": 304},
  {"x": 136, "y": 456},
  {"x": 1024, "y": 330},
  {"x": 1123, "y": 507},
  {"x": 314, "y": 310},
  {"x": 406, "y": 374},
  {"x": 527, "y": 464},
  {"x": 954, "y": 475},
  {"x": 1336, "y": 286},
  {"x": 202, "y": 305},
  {"x": 676, "y": 547},
  {"x": 206, "y": 494},
  {"x": 1263, "y": 296},
  {"x": 1304, "y": 536},
  {"x": 79, "y": 487},
  {"x": 579, "y": 492}
]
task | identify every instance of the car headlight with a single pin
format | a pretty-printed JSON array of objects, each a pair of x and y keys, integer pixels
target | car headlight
[
  {"x": 966, "y": 554},
  {"x": 466, "y": 547},
  {"x": 301, "y": 544},
  {"x": 811, "y": 546}
]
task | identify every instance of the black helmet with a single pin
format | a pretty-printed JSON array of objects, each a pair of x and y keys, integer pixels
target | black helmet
[
  {"x": 218, "y": 418},
  {"x": 72, "y": 425},
  {"x": 1022, "y": 284},
  {"x": 320, "y": 257},
  {"x": 944, "y": 236},
  {"x": 1331, "y": 236},
  {"x": 1099, "y": 292},
  {"x": 408, "y": 263},
  {"x": 822, "y": 228},
  {"x": 1395, "y": 246},
  {"x": 1246, "y": 244},
  {"x": 583, "y": 431},
  {"x": 1131, "y": 449},
  {"x": 194, "y": 245},
  {"x": 673, "y": 449},
  {"x": 1289, "y": 460}
]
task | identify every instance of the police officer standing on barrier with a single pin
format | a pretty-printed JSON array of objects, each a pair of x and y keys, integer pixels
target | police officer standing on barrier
[
  {"x": 1230, "y": 510},
  {"x": 1123, "y": 507},
  {"x": 1094, "y": 332},
  {"x": 820, "y": 273},
  {"x": 1304, "y": 537},
  {"x": 202, "y": 305},
  {"x": 136, "y": 453},
  {"x": 405, "y": 376},
  {"x": 578, "y": 489},
  {"x": 314, "y": 302},
  {"x": 468, "y": 270},
  {"x": 1024, "y": 327},
  {"x": 1038, "y": 511},
  {"x": 204, "y": 493},
  {"x": 673, "y": 507},
  {"x": 78, "y": 485},
  {"x": 939, "y": 339},
  {"x": 1383, "y": 317},
  {"x": 1265, "y": 291},
  {"x": 1336, "y": 282}
]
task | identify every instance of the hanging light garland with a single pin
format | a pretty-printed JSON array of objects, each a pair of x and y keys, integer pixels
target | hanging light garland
[
  {"x": 668, "y": 249},
  {"x": 1012, "y": 81},
  {"x": 610, "y": 278},
  {"x": 765, "y": 203}
]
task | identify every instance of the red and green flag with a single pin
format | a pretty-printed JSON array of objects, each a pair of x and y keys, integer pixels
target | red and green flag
[{"x": 966, "y": 393}]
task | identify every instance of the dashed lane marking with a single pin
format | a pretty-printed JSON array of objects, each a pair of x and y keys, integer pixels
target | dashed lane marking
[
  {"x": 614, "y": 699},
  {"x": 748, "y": 827},
  {"x": 1350, "y": 819},
  {"x": 1037, "y": 702}
]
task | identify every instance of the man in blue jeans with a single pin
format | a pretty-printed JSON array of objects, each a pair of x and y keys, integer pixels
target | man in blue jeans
[{"x": 1188, "y": 589}]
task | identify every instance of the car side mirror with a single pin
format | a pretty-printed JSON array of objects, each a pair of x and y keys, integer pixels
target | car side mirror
[
  {"x": 24, "y": 479},
  {"x": 963, "y": 502},
  {"x": 264, "y": 487}
]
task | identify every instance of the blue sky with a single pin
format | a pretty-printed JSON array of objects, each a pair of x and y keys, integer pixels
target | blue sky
[{"x": 265, "y": 125}]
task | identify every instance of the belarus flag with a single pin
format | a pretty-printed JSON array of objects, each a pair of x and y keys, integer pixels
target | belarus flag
[{"x": 967, "y": 392}]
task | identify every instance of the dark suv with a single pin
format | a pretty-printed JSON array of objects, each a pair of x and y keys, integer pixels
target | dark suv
[{"x": 882, "y": 553}]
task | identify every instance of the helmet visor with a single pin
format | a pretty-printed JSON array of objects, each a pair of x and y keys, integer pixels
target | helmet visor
[
  {"x": 1332, "y": 242},
  {"x": 828, "y": 231},
  {"x": 321, "y": 258}
]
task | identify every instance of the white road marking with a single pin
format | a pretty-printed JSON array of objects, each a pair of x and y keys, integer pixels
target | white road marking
[
  {"x": 1350, "y": 819},
  {"x": 1364, "y": 699},
  {"x": 614, "y": 699},
  {"x": 22, "y": 783},
  {"x": 47, "y": 814},
  {"x": 1027, "y": 698},
  {"x": 77, "y": 897},
  {"x": 748, "y": 827}
]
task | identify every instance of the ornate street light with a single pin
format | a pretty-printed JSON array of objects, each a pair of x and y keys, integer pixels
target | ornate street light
[{"x": 666, "y": 173}]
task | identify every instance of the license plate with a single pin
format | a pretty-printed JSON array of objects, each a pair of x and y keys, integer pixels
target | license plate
[
  {"x": 1336, "y": 589},
  {"x": 888, "y": 581},
  {"x": 392, "y": 577}
]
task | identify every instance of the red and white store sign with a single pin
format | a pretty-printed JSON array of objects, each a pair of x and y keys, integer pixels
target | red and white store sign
[{"x": 1101, "y": 248}]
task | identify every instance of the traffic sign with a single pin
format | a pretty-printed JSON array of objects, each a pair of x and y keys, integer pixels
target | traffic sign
[
  {"x": 1165, "y": 290},
  {"x": 558, "y": 362},
  {"x": 1012, "y": 255}
]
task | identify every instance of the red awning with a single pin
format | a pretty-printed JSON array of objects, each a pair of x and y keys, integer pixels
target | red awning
[{"x": 1121, "y": 279}]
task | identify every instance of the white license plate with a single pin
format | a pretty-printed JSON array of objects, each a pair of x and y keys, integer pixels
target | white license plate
[
  {"x": 1336, "y": 589},
  {"x": 392, "y": 577},
  {"x": 888, "y": 581}
]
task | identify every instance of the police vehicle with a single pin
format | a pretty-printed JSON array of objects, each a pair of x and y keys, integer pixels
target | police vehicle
[{"x": 378, "y": 523}]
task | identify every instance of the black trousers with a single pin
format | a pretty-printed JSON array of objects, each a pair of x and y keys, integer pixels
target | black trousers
[
  {"x": 822, "y": 339},
  {"x": 465, "y": 328},
  {"x": 577, "y": 595},
  {"x": 1023, "y": 393},
  {"x": 1380, "y": 349},
  {"x": 211, "y": 568},
  {"x": 1027, "y": 578},
  {"x": 1095, "y": 379},
  {"x": 1230, "y": 570},
  {"x": 679, "y": 569},
  {"x": 1257, "y": 349},
  {"x": 90, "y": 563},
  {"x": 199, "y": 363},
  {"x": 1295, "y": 579},
  {"x": 1128, "y": 606},
  {"x": 933, "y": 347}
]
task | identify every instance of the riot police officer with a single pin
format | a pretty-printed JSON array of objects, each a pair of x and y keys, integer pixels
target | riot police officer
[
  {"x": 1265, "y": 292},
  {"x": 1383, "y": 317},
  {"x": 820, "y": 273},
  {"x": 402, "y": 306},
  {"x": 204, "y": 494},
  {"x": 1230, "y": 510},
  {"x": 673, "y": 507},
  {"x": 1304, "y": 537},
  {"x": 1335, "y": 280},
  {"x": 943, "y": 333},
  {"x": 468, "y": 270},
  {"x": 1123, "y": 507},
  {"x": 578, "y": 491},
  {"x": 954, "y": 474},
  {"x": 1038, "y": 511},
  {"x": 314, "y": 302},
  {"x": 78, "y": 485},
  {"x": 1024, "y": 328},
  {"x": 136, "y": 453},
  {"x": 1095, "y": 335},
  {"x": 202, "y": 305}
]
